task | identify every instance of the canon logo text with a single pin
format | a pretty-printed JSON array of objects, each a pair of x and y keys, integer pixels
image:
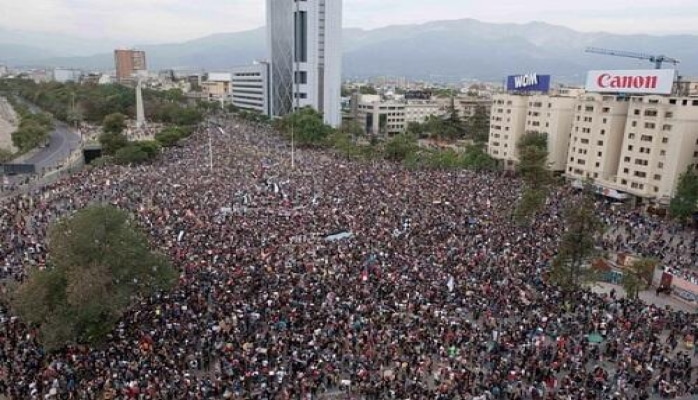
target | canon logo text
[{"x": 627, "y": 82}]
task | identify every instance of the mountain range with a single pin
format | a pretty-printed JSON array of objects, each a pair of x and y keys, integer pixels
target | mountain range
[{"x": 439, "y": 50}]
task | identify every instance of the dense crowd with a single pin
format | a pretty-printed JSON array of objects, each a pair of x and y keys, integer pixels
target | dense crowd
[{"x": 337, "y": 279}]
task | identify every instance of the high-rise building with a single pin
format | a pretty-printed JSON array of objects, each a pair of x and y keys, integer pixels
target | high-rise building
[
  {"x": 305, "y": 52},
  {"x": 128, "y": 63},
  {"x": 250, "y": 87}
]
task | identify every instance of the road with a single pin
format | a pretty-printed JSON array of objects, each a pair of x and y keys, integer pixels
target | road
[{"x": 63, "y": 141}]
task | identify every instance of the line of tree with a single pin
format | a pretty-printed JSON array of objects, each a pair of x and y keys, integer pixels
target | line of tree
[
  {"x": 452, "y": 126},
  {"x": 34, "y": 128},
  {"x": 73, "y": 103},
  {"x": 308, "y": 130}
]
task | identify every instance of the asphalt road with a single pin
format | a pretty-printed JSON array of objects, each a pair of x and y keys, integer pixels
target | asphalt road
[{"x": 62, "y": 141}]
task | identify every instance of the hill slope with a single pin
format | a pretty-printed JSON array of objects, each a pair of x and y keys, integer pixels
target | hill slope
[{"x": 445, "y": 50}]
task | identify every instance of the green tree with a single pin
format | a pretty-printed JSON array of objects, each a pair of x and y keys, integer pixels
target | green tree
[
  {"x": 478, "y": 125},
  {"x": 571, "y": 267},
  {"x": 685, "y": 202},
  {"x": 639, "y": 276},
  {"x": 114, "y": 123},
  {"x": 5, "y": 155},
  {"x": 352, "y": 128},
  {"x": 170, "y": 136},
  {"x": 400, "y": 147},
  {"x": 306, "y": 126},
  {"x": 99, "y": 263},
  {"x": 533, "y": 168},
  {"x": 131, "y": 154},
  {"x": 368, "y": 89},
  {"x": 112, "y": 142}
]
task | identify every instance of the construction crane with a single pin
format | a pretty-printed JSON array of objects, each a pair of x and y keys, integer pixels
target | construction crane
[{"x": 658, "y": 60}]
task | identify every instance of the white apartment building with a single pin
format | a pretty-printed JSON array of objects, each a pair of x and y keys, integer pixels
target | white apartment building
[
  {"x": 650, "y": 145},
  {"x": 249, "y": 88},
  {"x": 553, "y": 116},
  {"x": 305, "y": 51},
  {"x": 597, "y": 137},
  {"x": 507, "y": 125}
]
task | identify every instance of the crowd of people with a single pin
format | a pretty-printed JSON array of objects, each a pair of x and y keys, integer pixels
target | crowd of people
[{"x": 338, "y": 279}]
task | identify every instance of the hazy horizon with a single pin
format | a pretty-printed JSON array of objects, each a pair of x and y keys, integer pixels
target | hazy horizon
[{"x": 141, "y": 22}]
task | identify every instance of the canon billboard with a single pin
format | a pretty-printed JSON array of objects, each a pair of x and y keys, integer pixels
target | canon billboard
[
  {"x": 641, "y": 81},
  {"x": 528, "y": 83}
]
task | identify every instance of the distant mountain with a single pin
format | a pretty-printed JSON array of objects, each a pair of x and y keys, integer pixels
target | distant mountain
[
  {"x": 441, "y": 50},
  {"x": 43, "y": 45}
]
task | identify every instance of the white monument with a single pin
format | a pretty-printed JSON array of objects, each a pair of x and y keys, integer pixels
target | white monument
[{"x": 140, "y": 110}]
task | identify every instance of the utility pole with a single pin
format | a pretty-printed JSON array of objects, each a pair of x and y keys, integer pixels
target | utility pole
[
  {"x": 210, "y": 148},
  {"x": 295, "y": 93}
]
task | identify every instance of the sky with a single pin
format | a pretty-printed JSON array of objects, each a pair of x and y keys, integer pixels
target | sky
[{"x": 161, "y": 21}]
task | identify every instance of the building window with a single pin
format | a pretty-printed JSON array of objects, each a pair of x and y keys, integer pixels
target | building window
[
  {"x": 631, "y": 136},
  {"x": 600, "y": 143},
  {"x": 657, "y": 177},
  {"x": 669, "y": 114},
  {"x": 626, "y": 159},
  {"x": 626, "y": 171},
  {"x": 660, "y": 165},
  {"x": 666, "y": 128},
  {"x": 665, "y": 140},
  {"x": 646, "y": 138},
  {"x": 301, "y": 77},
  {"x": 301, "y": 38},
  {"x": 650, "y": 125}
]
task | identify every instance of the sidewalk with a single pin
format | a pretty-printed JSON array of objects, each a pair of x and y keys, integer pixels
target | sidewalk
[{"x": 648, "y": 296}]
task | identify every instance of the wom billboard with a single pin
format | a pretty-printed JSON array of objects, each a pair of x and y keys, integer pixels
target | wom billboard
[
  {"x": 641, "y": 81},
  {"x": 528, "y": 83}
]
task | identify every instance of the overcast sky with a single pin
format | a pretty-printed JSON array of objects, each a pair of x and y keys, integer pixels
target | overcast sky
[{"x": 157, "y": 21}]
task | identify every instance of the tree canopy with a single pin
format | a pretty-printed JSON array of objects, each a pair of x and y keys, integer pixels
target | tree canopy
[
  {"x": 306, "y": 126},
  {"x": 685, "y": 202},
  {"x": 99, "y": 262},
  {"x": 571, "y": 266},
  {"x": 114, "y": 123},
  {"x": 532, "y": 166}
]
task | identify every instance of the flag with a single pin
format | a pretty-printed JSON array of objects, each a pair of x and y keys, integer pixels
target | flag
[{"x": 451, "y": 283}]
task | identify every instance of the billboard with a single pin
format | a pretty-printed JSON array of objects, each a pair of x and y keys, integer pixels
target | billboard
[
  {"x": 641, "y": 81},
  {"x": 528, "y": 83}
]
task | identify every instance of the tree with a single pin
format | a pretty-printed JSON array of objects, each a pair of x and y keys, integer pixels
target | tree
[
  {"x": 114, "y": 123},
  {"x": 306, "y": 126},
  {"x": 132, "y": 153},
  {"x": 100, "y": 262},
  {"x": 368, "y": 89},
  {"x": 571, "y": 268},
  {"x": 533, "y": 158},
  {"x": 685, "y": 203},
  {"x": 170, "y": 136},
  {"x": 400, "y": 147},
  {"x": 478, "y": 125},
  {"x": 352, "y": 128},
  {"x": 112, "y": 142},
  {"x": 639, "y": 276}
]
